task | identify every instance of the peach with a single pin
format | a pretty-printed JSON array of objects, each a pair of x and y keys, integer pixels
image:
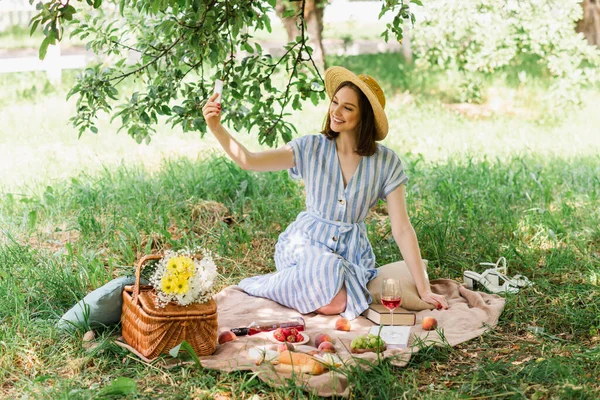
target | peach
[
  {"x": 342, "y": 324},
  {"x": 226, "y": 336},
  {"x": 326, "y": 347},
  {"x": 429, "y": 323},
  {"x": 322, "y": 337},
  {"x": 285, "y": 346}
]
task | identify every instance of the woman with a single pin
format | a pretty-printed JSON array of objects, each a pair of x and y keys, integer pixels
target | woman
[{"x": 324, "y": 259}]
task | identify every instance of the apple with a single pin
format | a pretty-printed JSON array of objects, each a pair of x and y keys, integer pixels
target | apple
[
  {"x": 226, "y": 336},
  {"x": 322, "y": 337},
  {"x": 429, "y": 323},
  {"x": 326, "y": 347},
  {"x": 342, "y": 324}
]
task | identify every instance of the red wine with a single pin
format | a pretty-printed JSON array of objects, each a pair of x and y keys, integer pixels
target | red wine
[
  {"x": 253, "y": 330},
  {"x": 267, "y": 326},
  {"x": 391, "y": 302}
]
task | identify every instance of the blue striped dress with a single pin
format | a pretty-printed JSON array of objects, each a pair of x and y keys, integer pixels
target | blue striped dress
[{"x": 327, "y": 245}]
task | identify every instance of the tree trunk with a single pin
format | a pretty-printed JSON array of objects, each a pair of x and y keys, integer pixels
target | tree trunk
[
  {"x": 406, "y": 47},
  {"x": 590, "y": 24},
  {"x": 313, "y": 16}
]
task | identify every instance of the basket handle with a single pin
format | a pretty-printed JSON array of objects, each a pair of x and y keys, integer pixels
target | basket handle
[{"x": 138, "y": 272}]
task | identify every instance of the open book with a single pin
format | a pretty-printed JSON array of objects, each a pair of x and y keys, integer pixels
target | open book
[
  {"x": 381, "y": 315},
  {"x": 396, "y": 337}
]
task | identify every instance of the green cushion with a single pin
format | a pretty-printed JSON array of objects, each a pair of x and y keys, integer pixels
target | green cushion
[{"x": 101, "y": 307}]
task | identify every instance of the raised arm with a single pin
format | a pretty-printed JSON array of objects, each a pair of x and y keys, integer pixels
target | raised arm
[
  {"x": 269, "y": 160},
  {"x": 406, "y": 238}
]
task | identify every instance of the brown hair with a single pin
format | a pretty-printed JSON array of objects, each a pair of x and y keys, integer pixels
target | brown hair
[{"x": 366, "y": 126}]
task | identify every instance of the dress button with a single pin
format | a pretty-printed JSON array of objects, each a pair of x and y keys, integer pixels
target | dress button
[
  {"x": 335, "y": 238},
  {"x": 342, "y": 201}
]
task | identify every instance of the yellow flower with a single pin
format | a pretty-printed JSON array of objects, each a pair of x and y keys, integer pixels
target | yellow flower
[
  {"x": 172, "y": 264},
  {"x": 181, "y": 286},
  {"x": 167, "y": 284},
  {"x": 184, "y": 267}
]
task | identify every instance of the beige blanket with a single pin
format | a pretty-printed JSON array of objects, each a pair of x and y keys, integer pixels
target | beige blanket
[{"x": 469, "y": 315}]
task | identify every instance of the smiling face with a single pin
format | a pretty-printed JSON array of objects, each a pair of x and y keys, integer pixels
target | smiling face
[{"x": 344, "y": 113}]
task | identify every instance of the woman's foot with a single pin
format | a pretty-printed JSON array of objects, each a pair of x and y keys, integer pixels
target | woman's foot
[{"x": 337, "y": 305}]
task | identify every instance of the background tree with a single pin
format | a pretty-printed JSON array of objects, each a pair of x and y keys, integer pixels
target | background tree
[
  {"x": 182, "y": 46},
  {"x": 524, "y": 39},
  {"x": 287, "y": 10},
  {"x": 589, "y": 25}
]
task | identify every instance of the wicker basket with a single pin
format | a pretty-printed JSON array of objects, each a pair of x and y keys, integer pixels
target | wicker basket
[{"x": 153, "y": 330}]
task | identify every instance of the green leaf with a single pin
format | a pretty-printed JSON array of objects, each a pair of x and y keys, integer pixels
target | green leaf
[
  {"x": 97, "y": 3},
  {"x": 178, "y": 110},
  {"x": 44, "y": 47},
  {"x": 34, "y": 26},
  {"x": 174, "y": 352},
  {"x": 32, "y": 219},
  {"x": 120, "y": 386},
  {"x": 94, "y": 129},
  {"x": 296, "y": 105},
  {"x": 289, "y": 13},
  {"x": 68, "y": 12},
  {"x": 145, "y": 118},
  {"x": 314, "y": 97}
]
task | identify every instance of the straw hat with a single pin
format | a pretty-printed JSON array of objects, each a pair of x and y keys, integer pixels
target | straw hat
[{"x": 335, "y": 76}]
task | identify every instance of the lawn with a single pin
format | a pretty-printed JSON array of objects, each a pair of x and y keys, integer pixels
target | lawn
[{"x": 495, "y": 180}]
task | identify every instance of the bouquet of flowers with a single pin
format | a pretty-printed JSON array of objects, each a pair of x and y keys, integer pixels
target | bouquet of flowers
[{"x": 185, "y": 277}]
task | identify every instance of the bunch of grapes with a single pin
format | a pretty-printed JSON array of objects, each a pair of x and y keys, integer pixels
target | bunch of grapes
[{"x": 370, "y": 342}]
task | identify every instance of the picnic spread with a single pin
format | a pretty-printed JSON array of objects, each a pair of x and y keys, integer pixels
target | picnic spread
[{"x": 470, "y": 314}]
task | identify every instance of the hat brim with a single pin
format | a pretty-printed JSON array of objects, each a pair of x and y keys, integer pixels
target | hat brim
[{"x": 335, "y": 76}]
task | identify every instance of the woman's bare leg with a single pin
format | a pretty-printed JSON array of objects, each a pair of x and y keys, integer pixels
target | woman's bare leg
[{"x": 337, "y": 305}]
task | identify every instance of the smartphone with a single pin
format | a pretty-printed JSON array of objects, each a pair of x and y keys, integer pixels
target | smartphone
[{"x": 219, "y": 90}]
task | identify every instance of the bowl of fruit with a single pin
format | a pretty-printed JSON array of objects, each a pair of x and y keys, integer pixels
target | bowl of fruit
[
  {"x": 367, "y": 343},
  {"x": 289, "y": 335}
]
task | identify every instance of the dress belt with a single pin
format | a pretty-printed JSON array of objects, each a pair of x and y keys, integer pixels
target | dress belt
[{"x": 345, "y": 227}]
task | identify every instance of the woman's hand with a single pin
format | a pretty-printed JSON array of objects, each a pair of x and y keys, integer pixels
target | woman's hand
[
  {"x": 212, "y": 112},
  {"x": 437, "y": 300}
]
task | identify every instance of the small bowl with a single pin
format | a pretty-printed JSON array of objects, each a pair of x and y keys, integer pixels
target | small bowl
[{"x": 305, "y": 339}]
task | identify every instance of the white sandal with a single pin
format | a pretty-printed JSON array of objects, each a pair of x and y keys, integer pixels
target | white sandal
[
  {"x": 473, "y": 281},
  {"x": 499, "y": 274}
]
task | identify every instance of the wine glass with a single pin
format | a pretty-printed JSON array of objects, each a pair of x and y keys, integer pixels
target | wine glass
[{"x": 391, "y": 297}]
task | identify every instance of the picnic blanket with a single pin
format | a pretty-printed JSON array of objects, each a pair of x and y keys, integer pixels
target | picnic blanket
[{"x": 469, "y": 315}]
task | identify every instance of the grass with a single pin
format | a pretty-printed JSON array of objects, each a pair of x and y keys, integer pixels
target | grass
[{"x": 74, "y": 214}]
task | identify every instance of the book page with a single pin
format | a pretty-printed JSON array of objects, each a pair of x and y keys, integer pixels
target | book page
[{"x": 400, "y": 334}]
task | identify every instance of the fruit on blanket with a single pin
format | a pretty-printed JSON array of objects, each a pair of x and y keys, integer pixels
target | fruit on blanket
[
  {"x": 342, "y": 324},
  {"x": 288, "y": 335},
  {"x": 285, "y": 346},
  {"x": 226, "y": 336},
  {"x": 368, "y": 342},
  {"x": 278, "y": 335},
  {"x": 326, "y": 347},
  {"x": 322, "y": 337},
  {"x": 429, "y": 323}
]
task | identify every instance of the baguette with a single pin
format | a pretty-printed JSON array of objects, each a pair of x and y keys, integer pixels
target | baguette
[{"x": 299, "y": 363}]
